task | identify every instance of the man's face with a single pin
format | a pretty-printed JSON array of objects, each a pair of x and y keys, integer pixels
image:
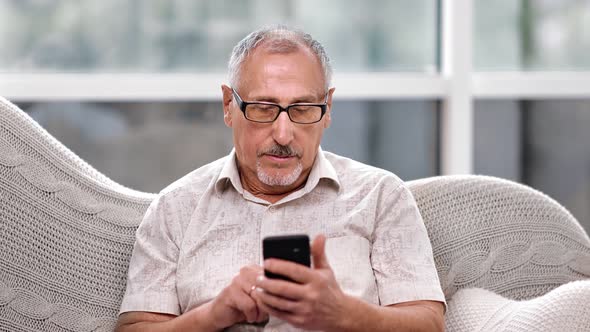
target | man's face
[{"x": 277, "y": 155}]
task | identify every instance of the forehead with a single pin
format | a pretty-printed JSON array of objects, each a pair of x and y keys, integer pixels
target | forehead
[{"x": 291, "y": 72}]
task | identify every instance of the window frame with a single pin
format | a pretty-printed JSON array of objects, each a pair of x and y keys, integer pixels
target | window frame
[{"x": 456, "y": 86}]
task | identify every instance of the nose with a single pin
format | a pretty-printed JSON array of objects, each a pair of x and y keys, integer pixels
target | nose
[{"x": 283, "y": 129}]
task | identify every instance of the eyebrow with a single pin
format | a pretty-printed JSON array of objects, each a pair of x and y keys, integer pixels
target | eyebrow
[{"x": 299, "y": 99}]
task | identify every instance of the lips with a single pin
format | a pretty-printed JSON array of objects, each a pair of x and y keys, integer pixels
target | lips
[{"x": 278, "y": 158}]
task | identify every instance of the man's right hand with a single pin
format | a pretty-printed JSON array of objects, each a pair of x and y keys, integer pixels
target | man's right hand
[{"x": 233, "y": 305}]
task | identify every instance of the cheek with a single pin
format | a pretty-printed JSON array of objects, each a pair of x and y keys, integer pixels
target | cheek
[{"x": 247, "y": 141}]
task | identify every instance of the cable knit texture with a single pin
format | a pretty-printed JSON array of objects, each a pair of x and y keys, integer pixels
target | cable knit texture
[
  {"x": 67, "y": 232},
  {"x": 509, "y": 241},
  {"x": 563, "y": 309}
]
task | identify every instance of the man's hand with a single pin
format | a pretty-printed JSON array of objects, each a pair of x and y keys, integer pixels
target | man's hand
[
  {"x": 235, "y": 303},
  {"x": 314, "y": 301}
]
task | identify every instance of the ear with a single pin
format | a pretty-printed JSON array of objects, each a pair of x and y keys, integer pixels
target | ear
[
  {"x": 328, "y": 115},
  {"x": 228, "y": 97}
]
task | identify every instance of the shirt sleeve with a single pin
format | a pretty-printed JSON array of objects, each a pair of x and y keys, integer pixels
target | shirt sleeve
[
  {"x": 151, "y": 279},
  {"x": 401, "y": 253}
]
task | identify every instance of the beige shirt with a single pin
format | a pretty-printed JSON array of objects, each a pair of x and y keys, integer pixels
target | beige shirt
[{"x": 203, "y": 228}]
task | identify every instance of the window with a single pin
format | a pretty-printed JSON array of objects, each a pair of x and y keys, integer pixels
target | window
[
  {"x": 532, "y": 35},
  {"x": 529, "y": 124},
  {"x": 197, "y": 36},
  {"x": 422, "y": 87},
  {"x": 542, "y": 143},
  {"x": 148, "y": 145}
]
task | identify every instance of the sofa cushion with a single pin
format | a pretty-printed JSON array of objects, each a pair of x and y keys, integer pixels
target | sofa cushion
[{"x": 565, "y": 308}]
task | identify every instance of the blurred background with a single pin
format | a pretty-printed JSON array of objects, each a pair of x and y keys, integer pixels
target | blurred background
[{"x": 145, "y": 140}]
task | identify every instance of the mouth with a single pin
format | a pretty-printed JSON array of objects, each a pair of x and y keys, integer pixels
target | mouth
[
  {"x": 278, "y": 158},
  {"x": 279, "y": 155}
]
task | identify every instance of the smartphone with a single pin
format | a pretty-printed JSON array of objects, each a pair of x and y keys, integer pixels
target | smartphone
[{"x": 294, "y": 248}]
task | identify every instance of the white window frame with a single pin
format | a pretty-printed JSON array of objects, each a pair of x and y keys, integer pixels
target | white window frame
[{"x": 456, "y": 86}]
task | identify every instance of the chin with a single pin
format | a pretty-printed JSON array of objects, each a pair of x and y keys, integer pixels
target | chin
[{"x": 280, "y": 178}]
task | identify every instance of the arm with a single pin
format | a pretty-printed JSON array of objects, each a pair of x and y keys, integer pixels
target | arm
[
  {"x": 410, "y": 316},
  {"x": 151, "y": 302},
  {"x": 316, "y": 301},
  {"x": 136, "y": 321},
  {"x": 233, "y": 305}
]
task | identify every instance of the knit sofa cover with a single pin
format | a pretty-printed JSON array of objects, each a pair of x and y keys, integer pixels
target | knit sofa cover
[
  {"x": 66, "y": 233},
  {"x": 507, "y": 255}
]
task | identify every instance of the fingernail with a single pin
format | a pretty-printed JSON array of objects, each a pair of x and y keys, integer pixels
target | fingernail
[{"x": 260, "y": 278}]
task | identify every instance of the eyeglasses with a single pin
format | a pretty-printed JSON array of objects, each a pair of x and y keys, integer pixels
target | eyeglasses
[{"x": 265, "y": 112}]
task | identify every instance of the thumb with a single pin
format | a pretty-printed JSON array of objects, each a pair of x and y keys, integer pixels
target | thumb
[{"x": 318, "y": 252}]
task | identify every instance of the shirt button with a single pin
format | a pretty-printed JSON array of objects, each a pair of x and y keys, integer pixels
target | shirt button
[{"x": 272, "y": 209}]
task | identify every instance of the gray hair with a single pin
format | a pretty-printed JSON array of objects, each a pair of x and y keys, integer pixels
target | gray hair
[{"x": 278, "y": 39}]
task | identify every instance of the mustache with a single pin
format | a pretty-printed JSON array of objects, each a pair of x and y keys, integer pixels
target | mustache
[{"x": 280, "y": 151}]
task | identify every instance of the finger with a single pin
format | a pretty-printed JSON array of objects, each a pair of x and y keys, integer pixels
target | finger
[
  {"x": 278, "y": 302},
  {"x": 284, "y": 315},
  {"x": 240, "y": 294},
  {"x": 294, "y": 271},
  {"x": 247, "y": 277},
  {"x": 318, "y": 253},
  {"x": 262, "y": 314},
  {"x": 255, "y": 269},
  {"x": 282, "y": 288},
  {"x": 294, "y": 319},
  {"x": 246, "y": 305},
  {"x": 251, "y": 271}
]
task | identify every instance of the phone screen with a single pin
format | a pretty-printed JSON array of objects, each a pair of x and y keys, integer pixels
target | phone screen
[{"x": 294, "y": 248}]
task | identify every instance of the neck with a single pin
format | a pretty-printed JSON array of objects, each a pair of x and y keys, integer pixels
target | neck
[{"x": 271, "y": 194}]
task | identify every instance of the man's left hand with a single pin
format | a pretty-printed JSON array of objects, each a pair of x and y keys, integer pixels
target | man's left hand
[{"x": 313, "y": 301}]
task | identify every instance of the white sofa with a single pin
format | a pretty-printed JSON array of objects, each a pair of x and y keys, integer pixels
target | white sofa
[{"x": 509, "y": 258}]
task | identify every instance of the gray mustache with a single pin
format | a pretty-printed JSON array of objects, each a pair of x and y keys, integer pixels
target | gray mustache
[{"x": 281, "y": 151}]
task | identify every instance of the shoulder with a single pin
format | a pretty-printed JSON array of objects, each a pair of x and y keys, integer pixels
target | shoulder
[
  {"x": 196, "y": 182},
  {"x": 175, "y": 204},
  {"x": 354, "y": 173}
]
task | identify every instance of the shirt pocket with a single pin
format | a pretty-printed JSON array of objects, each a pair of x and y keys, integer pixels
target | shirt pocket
[{"x": 350, "y": 259}]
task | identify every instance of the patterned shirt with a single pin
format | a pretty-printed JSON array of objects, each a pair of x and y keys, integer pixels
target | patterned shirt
[{"x": 203, "y": 228}]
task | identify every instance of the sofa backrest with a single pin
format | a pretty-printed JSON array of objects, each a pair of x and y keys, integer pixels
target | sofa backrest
[
  {"x": 501, "y": 236},
  {"x": 66, "y": 233}
]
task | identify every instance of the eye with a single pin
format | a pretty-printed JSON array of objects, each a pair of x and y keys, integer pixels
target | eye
[
  {"x": 267, "y": 107},
  {"x": 302, "y": 108},
  {"x": 263, "y": 107}
]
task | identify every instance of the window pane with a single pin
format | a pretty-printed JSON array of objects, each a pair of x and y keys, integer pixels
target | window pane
[
  {"x": 197, "y": 36},
  {"x": 532, "y": 35},
  {"x": 541, "y": 143},
  {"x": 146, "y": 146},
  {"x": 400, "y": 136},
  {"x": 497, "y": 139}
]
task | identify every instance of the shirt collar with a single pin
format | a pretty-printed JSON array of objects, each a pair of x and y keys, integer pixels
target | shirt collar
[
  {"x": 229, "y": 175},
  {"x": 321, "y": 169}
]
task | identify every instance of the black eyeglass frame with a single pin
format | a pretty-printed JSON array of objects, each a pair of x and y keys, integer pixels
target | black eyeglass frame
[{"x": 243, "y": 104}]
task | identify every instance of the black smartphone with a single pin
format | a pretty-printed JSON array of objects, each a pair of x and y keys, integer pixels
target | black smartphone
[{"x": 294, "y": 248}]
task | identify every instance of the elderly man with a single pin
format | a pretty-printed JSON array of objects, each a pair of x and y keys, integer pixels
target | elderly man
[{"x": 197, "y": 264}]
